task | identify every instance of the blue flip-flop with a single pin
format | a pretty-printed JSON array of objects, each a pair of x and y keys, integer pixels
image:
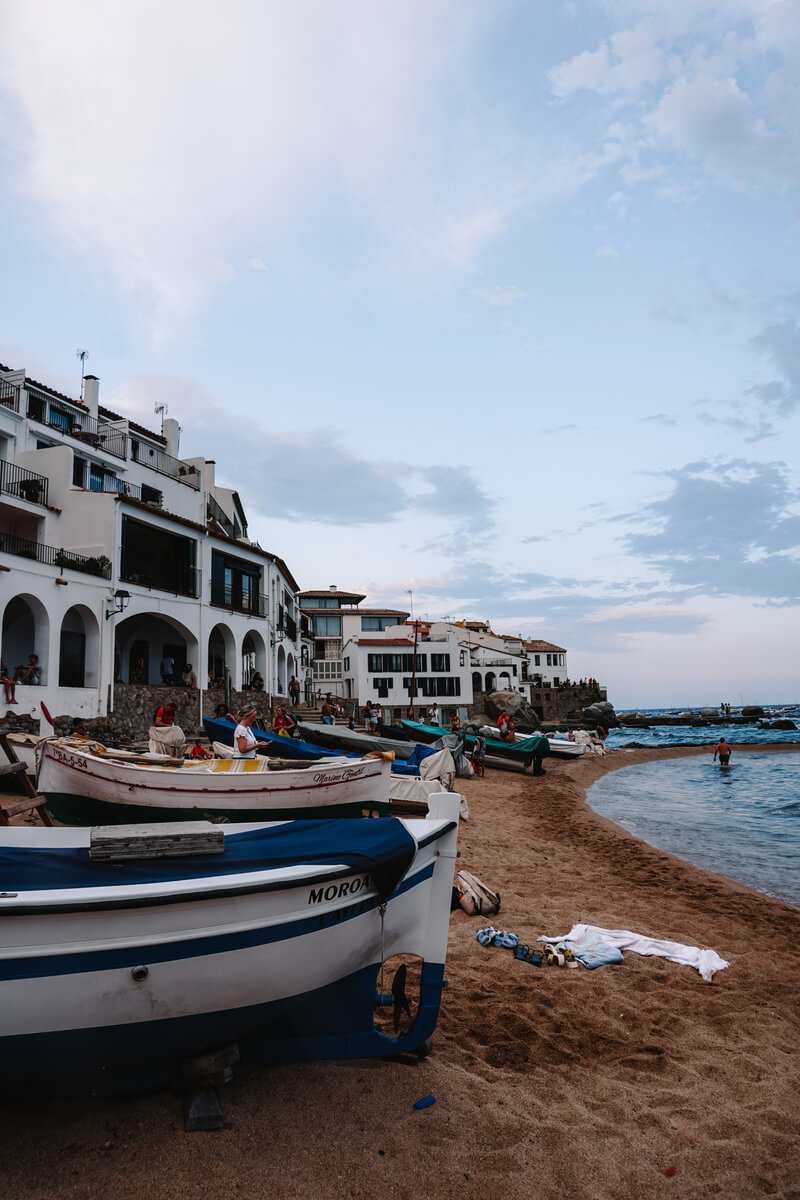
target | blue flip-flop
[
  {"x": 486, "y": 936},
  {"x": 506, "y": 940}
]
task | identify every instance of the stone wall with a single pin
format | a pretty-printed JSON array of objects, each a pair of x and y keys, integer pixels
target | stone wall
[
  {"x": 135, "y": 704},
  {"x": 554, "y": 704}
]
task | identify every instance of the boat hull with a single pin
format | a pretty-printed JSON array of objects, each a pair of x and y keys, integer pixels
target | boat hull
[
  {"x": 111, "y": 995},
  {"x": 83, "y": 789}
]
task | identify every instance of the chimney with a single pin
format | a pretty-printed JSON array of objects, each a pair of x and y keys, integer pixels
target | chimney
[
  {"x": 91, "y": 394},
  {"x": 333, "y": 587},
  {"x": 172, "y": 432},
  {"x": 209, "y": 475}
]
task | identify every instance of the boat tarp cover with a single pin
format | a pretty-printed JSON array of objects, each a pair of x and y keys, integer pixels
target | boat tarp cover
[
  {"x": 382, "y": 848},
  {"x": 222, "y": 731},
  {"x": 536, "y": 745}
]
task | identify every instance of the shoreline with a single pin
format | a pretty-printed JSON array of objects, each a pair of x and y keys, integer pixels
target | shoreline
[{"x": 593, "y": 1084}]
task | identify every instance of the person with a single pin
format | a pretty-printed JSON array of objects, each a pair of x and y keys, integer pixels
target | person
[
  {"x": 283, "y": 722},
  {"x": 30, "y": 673},
  {"x": 245, "y": 742},
  {"x": 502, "y": 723},
  {"x": 139, "y": 671},
  {"x": 433, "y": 714},
  {"x": 294, "y": 691},
  {"x": 479, "y": 755},
  {"x": 367, "y": 712},
  {"x": 510, "y": 734},
  {"x": 167, "y": 668},
  {"x": 8, "y": 683},
  {"x": 200, "y": 752},
  {"x": 165, "y": 736},
  {"x": 724, "y": 751},
  {"x": 377, "y": 719},
  {"x": 79, "y": 727},
  {"x": 257, "y": 683},
  {"x": 327, "y": 713},
  {"x": 455, "y": 722},
  {"x": 188, "y": 677},
  {"x": 222, "y": 714},
  {"x": 602, "y": 734}
]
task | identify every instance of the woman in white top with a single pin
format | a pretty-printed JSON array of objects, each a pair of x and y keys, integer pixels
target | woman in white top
[{"x": 245, "y": 742}]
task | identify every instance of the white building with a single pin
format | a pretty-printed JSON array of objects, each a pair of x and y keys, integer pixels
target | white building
[
  {"x": 336, "y": 618},
  {"x": 115, "y": 552},
  {"x": 546, "y": 664}
]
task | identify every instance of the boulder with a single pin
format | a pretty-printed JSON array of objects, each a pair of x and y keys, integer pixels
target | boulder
[
  {"x": 602, "y": 713},
  {"x": 781, "y": 723},
  {"x": 516, "y": 706},
  {"x": 753, "y": 710},
  {"x": 710, "y": 714}
]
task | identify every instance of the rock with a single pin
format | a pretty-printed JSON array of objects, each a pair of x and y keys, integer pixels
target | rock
[
  {"x": 516, "y": 706},
  {"x": 752, "y": 710},
  {"x": 602, "y": 713},
  {"x": 710, "y": 714},
  {"x": 781, "y": 723}
]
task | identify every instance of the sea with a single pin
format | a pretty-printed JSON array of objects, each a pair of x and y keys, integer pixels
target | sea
[{"x": 742, "y": 821}]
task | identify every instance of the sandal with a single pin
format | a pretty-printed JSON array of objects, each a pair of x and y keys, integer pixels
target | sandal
[
  {"x": 535, "y": 958},
  {"x": 521, "y": 952},
  {"x": 569, "y": 958},
  {"x": 486, "y": 936},
  {"x": 553, "y": 957},
  {"x": 507, "y": 940}
]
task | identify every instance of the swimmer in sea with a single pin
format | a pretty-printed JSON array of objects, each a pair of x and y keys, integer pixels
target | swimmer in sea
[{"x": 724, "y": 751}]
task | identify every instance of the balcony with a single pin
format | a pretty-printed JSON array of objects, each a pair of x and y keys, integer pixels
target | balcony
[
  {"x": 289, "y": 626},
  {"x": 120, "y": 487},
  {"x": 180, "y": 581},
  {"x": 254, "y": 604},
  {"x": 25, "y": 485},
  {"x": 165, "y": 464},
  {"x": 52, "y": 557},
  {"x": 215, "y": 513},
  {"x": 99, "y": 435}
]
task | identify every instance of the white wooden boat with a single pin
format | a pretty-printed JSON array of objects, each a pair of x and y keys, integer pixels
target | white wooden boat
[
  {"x": 86, "y": 783},
  {"x": 559, "y": 747},
  {"x": 111, "y": 973},
  {"x": 25, "y": 749}
]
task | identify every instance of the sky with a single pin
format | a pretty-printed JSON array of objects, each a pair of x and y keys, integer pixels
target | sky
[{"x": 493, "y": 304}]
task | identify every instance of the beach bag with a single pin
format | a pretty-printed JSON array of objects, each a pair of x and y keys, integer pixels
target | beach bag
[{"x": 475, "y": 897}]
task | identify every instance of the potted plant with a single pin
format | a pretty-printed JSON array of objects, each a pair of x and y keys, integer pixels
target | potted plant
[{"x": 30, "y": 489}]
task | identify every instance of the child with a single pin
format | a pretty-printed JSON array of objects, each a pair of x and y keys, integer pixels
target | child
[{"x": 479, "y": 755}]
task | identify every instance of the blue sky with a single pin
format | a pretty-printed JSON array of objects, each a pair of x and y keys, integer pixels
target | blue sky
[{"x": 497, "y": 303}]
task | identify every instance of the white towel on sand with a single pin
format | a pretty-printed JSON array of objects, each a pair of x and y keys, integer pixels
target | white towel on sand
[{"x": 705, "y": 961}]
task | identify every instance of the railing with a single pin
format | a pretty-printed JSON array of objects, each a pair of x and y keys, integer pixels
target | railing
[
  {"x": 165, "y": 464},
  {"x": 52, "y": 557},
  {"x": 492, "y": 662},
  {"x": 121, "y": 487},
  {"x": 9, "y": 395},
  {"x": 25, "y": 485},
  {"x": 183, "y": 582},
  {"x": 289, "y": 627},
  {"x": 253, "y": 603},
  {"x": 215, "y": 513}
]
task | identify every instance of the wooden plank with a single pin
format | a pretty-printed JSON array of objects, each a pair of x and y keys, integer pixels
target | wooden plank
[
  {"x": 11, "y": 768},
  {"x": 168, "y": 839},
  {"x": 12, "y": 806}
]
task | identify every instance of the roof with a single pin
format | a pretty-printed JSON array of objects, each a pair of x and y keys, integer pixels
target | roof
[
  {"x": 383, "y": 642},
  {"x": 537, "y": 645},
  {"x": 356, "y": 596},
  {"x": 352, "y": 612}
]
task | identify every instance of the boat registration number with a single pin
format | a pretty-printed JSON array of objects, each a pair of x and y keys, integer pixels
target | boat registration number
[{"x": 69, "y": 760}]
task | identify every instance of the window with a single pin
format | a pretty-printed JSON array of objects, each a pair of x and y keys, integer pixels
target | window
[
  {"x": 327, "y": 627},
  {"x": 537, "y": 660},
  {"x": 151, "y": 495},
  {"x": 59, "y": 419},
  {"x": 371, "y": 624},
  {"x": 347, "y": 664},
  {"x": 319, "y": 602},
  {"x": 514, "y": 669},
  {"x": 96, "y": 475},
  {"x": 435, "y": 687},
  {"x": 78, "y": 472},
  {"x": 383, "y": 683},
  {"x": 235, "y": 584},
  {"x": 395, "y": 662},
  {"x": 440, "y": 662},
  {"x": 549, "y": 660}
]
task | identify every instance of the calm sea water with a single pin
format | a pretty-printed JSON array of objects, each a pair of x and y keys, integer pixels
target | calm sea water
[{"x": 742, "y": 821}]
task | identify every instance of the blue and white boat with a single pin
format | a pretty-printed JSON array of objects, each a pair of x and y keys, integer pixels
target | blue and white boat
[{"x": 111, "y": 973}]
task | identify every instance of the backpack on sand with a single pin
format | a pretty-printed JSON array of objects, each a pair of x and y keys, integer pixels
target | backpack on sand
[{"x": 475, "y": 897}]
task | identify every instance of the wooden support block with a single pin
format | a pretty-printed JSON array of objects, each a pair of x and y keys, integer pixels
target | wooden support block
[
  {"x": 11, "y": 768},
  {"x": 168, "y": 839},
  {"x": 202, "y": 1110},
  {"x": 12, "y": 806}
]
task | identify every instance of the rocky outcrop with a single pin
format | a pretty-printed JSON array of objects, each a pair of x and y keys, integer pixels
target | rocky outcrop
[
  {"x": 710, "y": 714},
  {"x": 752, "y": 710},
  {"x": 780, "y": 723},
  {"x": 602, "y": 713},
  {"x": 516, "y": 706}
]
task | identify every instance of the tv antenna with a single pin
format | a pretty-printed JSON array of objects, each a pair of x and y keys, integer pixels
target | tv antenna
[
  {"x": 161, "y": 410},
  {"x": 82, "y": 355}
]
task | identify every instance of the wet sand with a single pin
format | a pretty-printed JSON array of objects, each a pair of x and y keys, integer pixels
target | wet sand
[{"x": 630, "y": 1081}]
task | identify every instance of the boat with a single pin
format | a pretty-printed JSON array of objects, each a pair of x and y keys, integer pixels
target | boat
[
  {"x": 218, "y": 730},
  {"x": 25, "y": 749},
  {"x": 559, "y": 747},
  {"x": 503, "y": 754},
  {"x": 282, "y": 939},
  {"x": 340, "y": 737},
  {"x": 86, "y": 783}
]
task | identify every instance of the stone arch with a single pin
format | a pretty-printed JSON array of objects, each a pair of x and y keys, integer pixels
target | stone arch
[
  {"x": 221, "y": 652},
  {"x": 504, "y": 681},
  {"x": 281, "y": 680},
  {"x": 26, "y": 631},
  {"x": 477, "y": 682},
  {"x": 490, "y": 684},
  {"x": 149, "y": 635},
  {"x": 79, "y": 648},
  {"x": 254, "y": 658}
]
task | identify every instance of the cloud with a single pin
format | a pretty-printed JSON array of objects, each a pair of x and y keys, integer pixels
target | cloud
[
  {"x": 658, "y": 419},
  {"x": 500, "y": 296},
  {"x": 257, "y": 264},
  {"x": 780, "y": 344},
  {"x": 726, "y": 529},
  {"x": 607, "y": 251}
]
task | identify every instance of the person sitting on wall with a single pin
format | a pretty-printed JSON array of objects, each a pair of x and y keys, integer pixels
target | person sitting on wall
[
  {"x": 222, "y": 714},
  {"x": 30, "y": 674},
  {"x": 8, "y": 683},
  {"x": 283, "y": 722},
  {"x": 165, "y": 736},
  {"x": 188, "y": 677},
  {"x": 257, "y": 683}
]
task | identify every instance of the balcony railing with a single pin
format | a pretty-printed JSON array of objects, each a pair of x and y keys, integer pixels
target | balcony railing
[
  {"x": 9, "y": 395},
  {"x": 214, "y": 512},
  {"x": 165, "y": 464},
  {"x": 252, "y": 603},
  {"x": 25, "y": 485},
  {"x": 183, "y": 581},
  {"x": 289, "y": 626},
  {"x": 110, "y": 483},
  {"x": 52, "y": 557},
  {"x": 98, "y": 435}
]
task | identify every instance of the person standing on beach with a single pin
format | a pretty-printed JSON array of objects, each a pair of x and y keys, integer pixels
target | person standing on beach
[{"x": 724, "y": 751}]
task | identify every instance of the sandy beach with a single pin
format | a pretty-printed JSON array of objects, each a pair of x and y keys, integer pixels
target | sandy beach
[{"x": 638, "y": 1080}]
